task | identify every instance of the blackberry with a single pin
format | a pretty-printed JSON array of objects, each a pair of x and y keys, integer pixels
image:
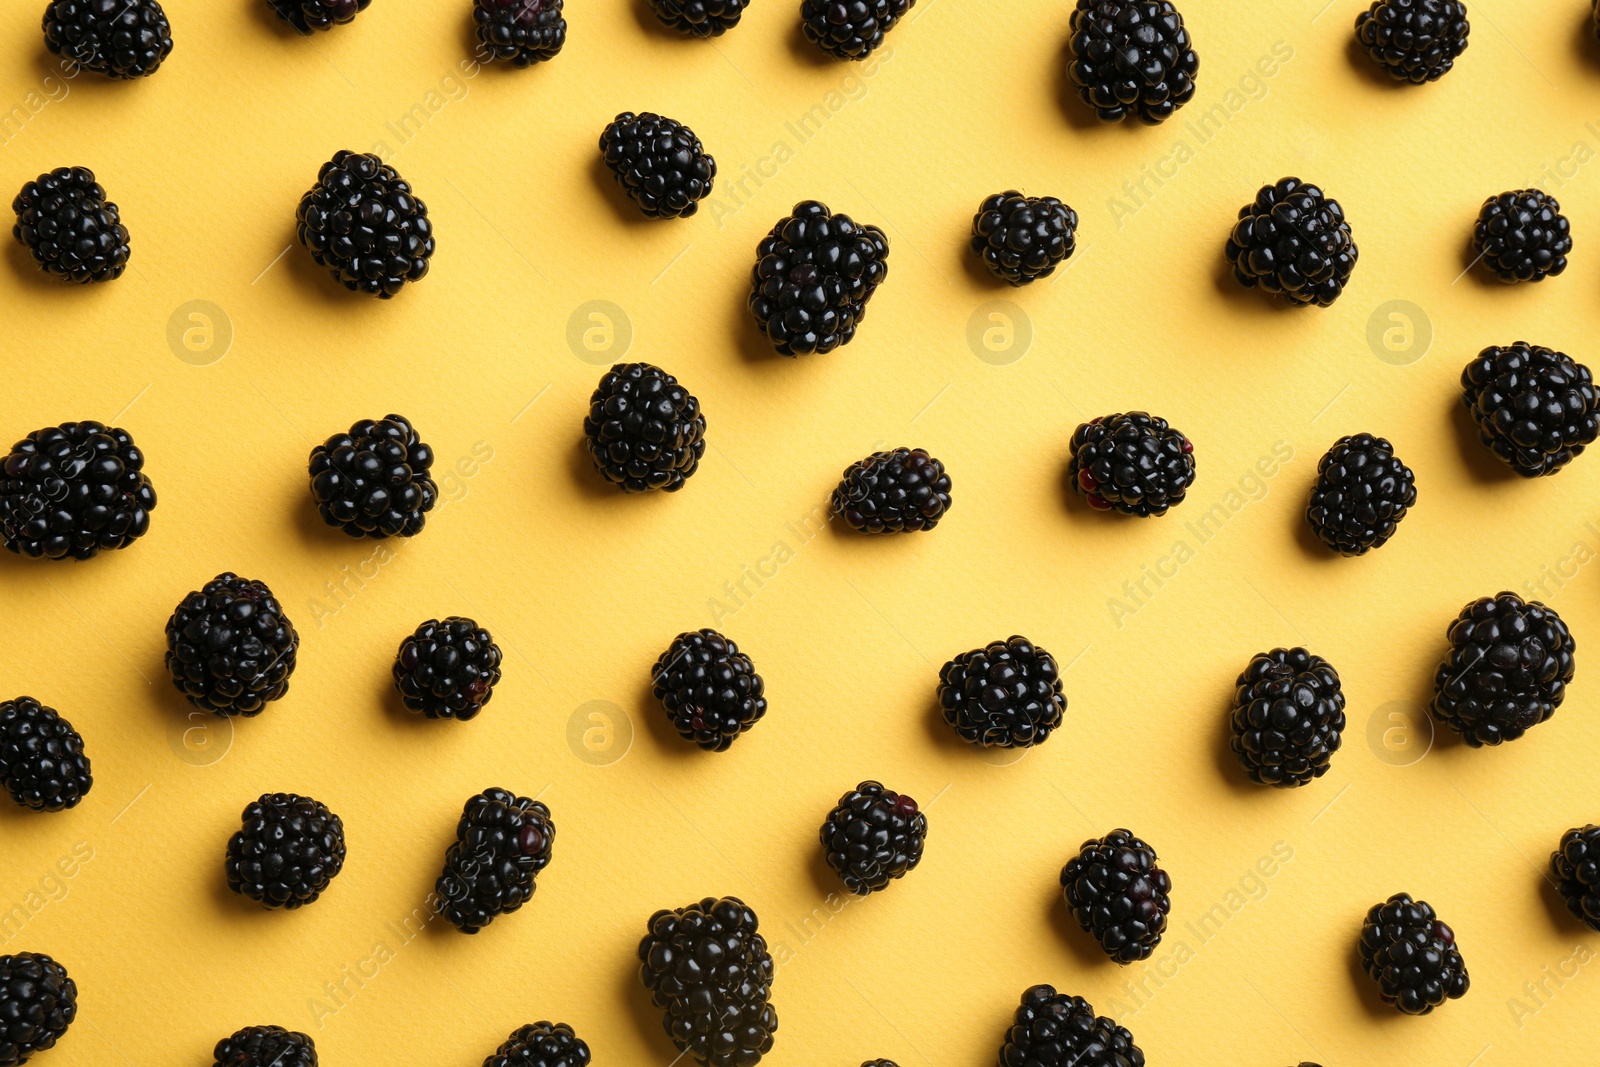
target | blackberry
[
  {"x": 1412, "y": 955},
  {"x": 41, "y": 757},
  {"x": 70, "y": 228},
  {"x": 502, "y": 842},
  {"x": 1522, "y": 236},
  {"x": 1004, "y": 695},
  {"x": 710, "y": 689},
  {"x": 707, "y": 968},
  {"x": 1535, "y": 408},
  {"x": 309, "y": 15},
  {"x": 1133, "y": 463},
  {"x": 288, "y": 851},
  {"x": 893, "y": 492},
  {"x": 117, "y": 38},
  {"x": 1288, "y": 717},
  {"x": 68, "y": 491},
  {"x": 1414, "y": 40},
  {"x": 645, "y": 430},
  {"x": 374, "y": 480},
  {"x": 1052, "y": 1029},
  {"x": 1023, "y": 238},
  {"x": 38, "y": 1001},
  {"x": 1575, "y": 866},
  {"x": 541, "y": 1044},
  {"x": 700, "y": 18},
  {"x": 364, "y": 224},
  {"x": 850, "y": 29},
  {"x": 1131, "y": 57},
  {"x": 230, "y": 647},
  {"x": 1506, "y": 672},
  {"x": 1361, "y": 494},
  {"x": 1293, "y": 241},
  {"x": 813, "y": 276},
  {"x": 659, "y": 163},
  {"x": 880, "y": 1063},
  {"x": 872, "y": 837},
  {"x": 1119, "y": 895},
  {"x": 521, "y": 32},
  {"x": 447, "y": 669},
  {"x": 266, "y": 1046}
]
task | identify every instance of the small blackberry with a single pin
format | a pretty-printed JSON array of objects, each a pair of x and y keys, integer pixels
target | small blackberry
[
  {"x": 1575, "y": 866},
  {"x": 70, "y": 228},
  {"x": 1506, "y": 672},
  {"x": 872, "y": 837},
  {"x": 1131, "y": 57},
  {"x": 1412, "y": 955},
  {"x": 1293, "y": 241},
  {"x": 374, "y": 480},
  {"x": 521, "y": 32},
  {"x": 42, "y": 764},
  {"x": 1522, "y": 236},
  {"x": 266, "y": 1046},
  {"x": 1288, "y": 717},
  {"x": 230, "y": 647},
  {"x": 700, "y": 18},
  {"x": 1361, "y": 494},
  {"x": 309, "y": 15},
  {"x": 1052, "y": 1029},
  {"x": 502, "y": 842},
  {"x": 1119, "y": 895},
  {"x": 68, "y": 491},
  {"x": 710, "y": 689},
  {"x": 447, "y": 669},
  {"x": 813, "y": 276},
  {"x": 1535, "y": 408},
  {"x": 1004, "y": 695},
  {"x": 117, "y": 38},
  {"x": 1023, "y": 238},
  {"x": 288, "y": 851},
  {"x": 541, "y": 1044},
  {"x": 1414, "y": 40},
  {"x": 659, "y": 163},
  {"x": 645, "y": 430},
  {"x": 850, "y": 29},
  {"x": 38, "y": 1001},
  {"x": 1133, "y": 463},
  {"x": 893, "y": 492},
  {"x": 364, "y": 224}
]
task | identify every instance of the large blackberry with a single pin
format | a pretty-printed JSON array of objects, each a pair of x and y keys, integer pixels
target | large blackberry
[
  {"x": 707, "y": 968},
  {"x": 1361, "y": 494},
  {"x": 700, "y": 18},
  {"x": 71, "y": 229},
  {"x": 1536, "y": 408},
  {"x": 710, "y": 689},
  {"x": 1131, "y": 57},
  {"x": 893, "y": 492},
  {"x": 68, "y": 491},
  {"x": 1506, "y": 672},
  {"x": 541, "y": 1044},
  {"x": 502, "y": 842},
  {"x": 1293, "y": 241},
  {"x": 266, "y": 1046},
  {"x": 521, "y": 32},
  {"x": 1522, "y": 236},
  {"x": 1288, "y": 717},
  {"x": 1004, "y": 695},
  {"x": 117, "y": 38},
  {"x": 288, "y": 851},
  {"x": 1052, "y": 1029},
  {"x": 364, "y": 224},
  {"x": 872, "y": 837},
  {"x": 447, "y": 669},
  {"x": 230, "y": 647},
  {"x": 1119, "y": 895},
  {"x": 1023, "y": 238},
  {"x": 309, "y": 15},
  {"x": 659, "y": 163},
  {"x": 1412, "y": 955},
  {"x": 38, "y": 1001},
  {"x": 1133, "y": 463},
  {"x": 1414, "y": 40},
  {"x": 374, "y": 480},
  {"x": 645, "y": 430},
  {"x": 813, "y": 276},
  {"x": 1575, "y": 866},
  {"x": 42, "y": 764},
  {"x": 850, "y": 29}
]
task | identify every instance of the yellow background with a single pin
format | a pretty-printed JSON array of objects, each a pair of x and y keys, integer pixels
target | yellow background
[{"x": 584, "y": 586}]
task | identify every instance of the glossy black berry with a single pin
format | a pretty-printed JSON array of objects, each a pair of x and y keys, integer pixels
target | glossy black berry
[
  {"x": 1288, "y": 717},
  {"x": 1535, "y": 408},
  {"x": 1133, "y": 463},
  {"x": 117, "y": 38},
  {"x": 709, "y": 689},
  {"x": 1131, "y": 58},
  {"x": 645, "y": 431},
  {"x": 1575, "y": 866},
  {"x": 70, "y": 228},
  {"x": 230, "y": 647},
  {"x": 850, "y": 29},
  {"x": 1293, "y": 241},
  {"x": 42, "y": 764},
  {"x": 1414, "y": 40},
  {"x": 374, "y": 481},
  {"x": 502, "y": 843},
  {"x": 309, "y": 15},
  {"x": 700, "y": 18},
  {"x": 1361, "y": 494},
  {"x": 288, "y": 851},
  {"x": 363, "y": 223},
  {"x": 1411, "y": 955},
  {"x": 1052, "y": 1029},
  {"x": 69, "y": 491},
  {"x": 893, "y": 492},
  {"x": 1119, "y": 894},
  {"x": 1023, "y": 238},
  {"x": 520, "y": 32},
  {"x": 813, "y": 276},
  {"x": 1522, "y": 236},
  {"x": 541, "y": 1044},
  {"x": 38, "y": 1002},
  {"x": 872, "y": 837},
  {"x": 1507, "y": 670},
  {"x": 447, "y": 669},
  {"x": 1004, "y": 695},
  {"x": 659, "y": 163},
  {"x": 266, "y": 1046}
]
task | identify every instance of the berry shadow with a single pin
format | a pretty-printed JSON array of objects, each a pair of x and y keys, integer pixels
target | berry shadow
[
  {"x": 1480, "y": 461},
  {"x": 825, "y": 878},
  {"x": 1369, "y": 72},
  {"x": 660, "y": 728},
  {"x": 654, "y": 27},
  {"x": 1477, "y": 273},
  {"x": 811, "y": 55},
  {"x": 316, "y": 282},
  {"x": 1227, "y": 761},
  {"x": 1311, "y": 546},
  {"x": 1084, "y": 948},
  {"x": 754, "y": 346},
  {"x": 1252, "y": 301},
  {"x": 589, "y": 481},
  {"x": 48, "y": 286},
  {"x": 1585, "y": 48},
  {"x": 647, "y": 1018},
  {"x": 1366, "y": 990},
  {"x": 1562, "y": 921},
  {"x": 280, "y": 27},
  {"x": 1079, "y": 115},
  {"x": 627, "y": 212}
]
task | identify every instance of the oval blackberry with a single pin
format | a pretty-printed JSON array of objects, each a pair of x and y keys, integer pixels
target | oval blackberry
[
  {"x": 1051, "y": 1029},
  {"x": 813, "y": 276},
  {"x": 1506, "y": 672},
  {"x": 645, "y": 431},
  {"x": 659, "y": 163},
  {"x": 893, "y": 492},
  {"x": 1021, "y": 239},
  {"x": 1361, "y": 494},
  {"x": 70, "y": 228},
  {"x": 42, "y": 764},
  {"x": 447, "y": 669},
  {"x": 520, "y": 32},
  {"x": 872, "y": 837},
  {"x": 38, "y": 1001},
  {"x": 541, "y": 1044},
  {"x": 1535, "y": 408},
  {"x": 1412, "y": 955},
  {"x": 1293, "y": 241},
  {"x": 700, "y": 18},
  {"x": 710, "y": 689},
  {"x": 1414, "y": 41},
  {"x": 374, "y": 480},
  {"x": 310, "y": 15},
  {"x": 1131, "y": 57},
  {"x": 1288, "y": 717},
  {"x": 117, "y": 38},
  {"x": 1119, "y": 894},
  {"x": 288, "y": 851},
  {"x": 266, "y": 1046},
  {"x": 1575, "y": 866},
  {"x": 69, "y": 491},
  {"x": 850, "y": 29},
  {"x": 230, "y": 647},
  {"x": 363, "y": 223},
  {"x": 1522, "y": 236},
  {"x": 502, "y": 843},
  {"x": 1133, "y": 463},
  {"x": 1004, "y": 695}
]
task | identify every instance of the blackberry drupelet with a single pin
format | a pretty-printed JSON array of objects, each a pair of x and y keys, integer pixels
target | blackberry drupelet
[
  {"x": 872, "y": 837},
  {"x": 1288, "y": 717},
  {"x": 266, "y": 1046},
  {"x": 1133, "y": 463},
  {"x": 364, "y": 224},
  {"x": 1414, "y": 40},
  {"x": 813, "y": 276},
  {"x": 850, "y": 29},
  {"x": 1412, "y": 955},
  {"x": 1522, "y": 236},
  {"x": 710, "y": 689},
  {"x": 1131, "y": 58},
  {"x": 521, "y": 32},
  {"x": 1119, "y": 894},
  {"x": 70, "y": 228},
  {"x": 1052, "y": 1029},
  {"x": 707, "y": 968},
  {"x": 230, "y": 647},
  {"x": 893, "y": 492},
  {"x": 502, "y": 843},
  {"x": 1361, "y": 494},
  {"x": 309, "y": 15},
  {"x": 374, "y": 480},
  {"x": 1575, "y": 866},
  {"x": 1293, "y": 241},
  {"x": 1023, "y": 238},
  {"x": 1506, "y": 672},
  {"x": 69, "y": 491},
  {"x": 659, "y": 163},
  {"x": 645, "y": 431},
  {"x": 541, "y": 1044},
  {"x": 42, "y": 764},
  {"x": 1535, "y": 408},
  {"x": 117, "y": 38},
  {"x": 38, "y": 1001},
  {"x": 1004, "y": 695},
  {"x": 288, "y": 851},
  {"x": 700, "y": 18},
  {"x": 447, "y": 669}
]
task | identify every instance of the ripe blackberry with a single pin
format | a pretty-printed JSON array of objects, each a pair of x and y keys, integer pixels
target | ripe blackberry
[
  {"x": 1052, "y": 1029},
  {"x": 68, "y": 491},
  {"x": 42, "y": 764},
  {"x": 1506, "y": 672},
  {"x": 1131, "y": 57},
  {"x": 1412, "y": 955},
  {"x": 1361, "y": 494},
  {"x": 1575, "y": 866},
  {"x": 38, "y": 1002},
  {"x": 266, "y": 1046},
  {"x": 1536, "y": 408},
  {"x": 893, "y": 492},
  {"x": 1004, "y": 695},
  {"x": 1023, "y": 238},
  {"x": 700, "y": 18},
  {"x": 447, "y": 669},
  {"x": 880, "y": 1063},
  {"x": 659, "y": 163},
  {"x": 521, "y": 32},
  {"x": 363, "y": 223},
  {"x": 1133, "y": 463},
  {"x": 374, "y": 481},
  {"x": 1293, "y": 241},
  {"x": 850, "y": 29},
  {"x": 71, "y": 229},
  {"x": 541, "y": 1044},
  {"x": 1522, "y": 236},
  {"x": 288, "y": 851},
  {"x": 1414, "y": 40},
  {"x": 645, "y": 430},
  {"x": 1119, "y": 895},
  {"x": 710, "y": 689},
  {"x": 309, "y": 15},
  {"x": 117, "y": 38},
  {"x": 813, "y": 276},
  {"x": 872, "y": 837},
  {"x": 230, "y": 647},
  {"x": 1288, "y": 717},
  {"x": 707, "y": 968},
  {"x": 502, "y": 842}
]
